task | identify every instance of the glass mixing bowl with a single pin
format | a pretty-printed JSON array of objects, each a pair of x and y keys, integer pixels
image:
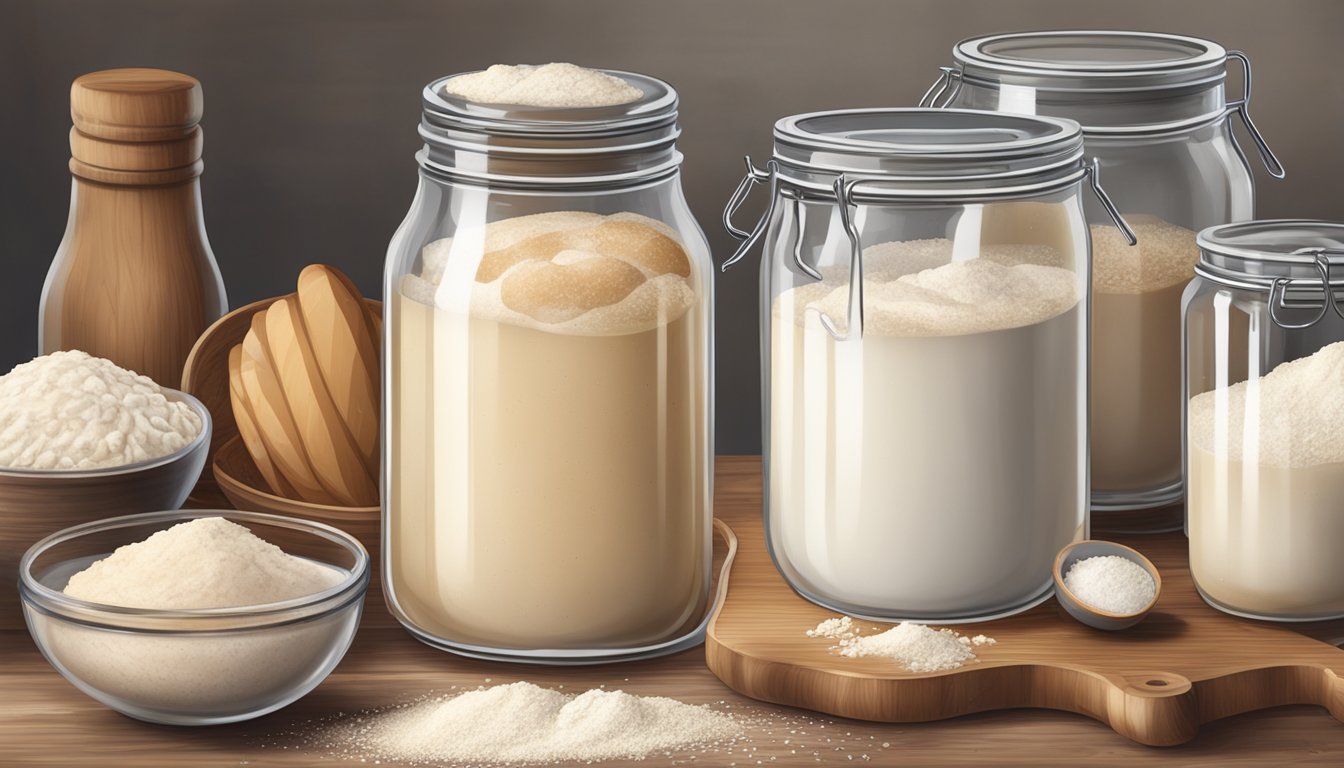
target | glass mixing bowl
[{"x": 201, "y": 666}]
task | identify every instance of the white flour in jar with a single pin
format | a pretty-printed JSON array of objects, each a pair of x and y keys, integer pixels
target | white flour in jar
[
  {"x": 70, "y": 410},
  {"x": 934, "y": 468},
  {"x": 1266, "y": 478},
  {"x": 1136, "y": 352},
  {"x": 564, "y": 86},
  {"x": 205, "y": 563},
  {"x": 543, "y": 409}
]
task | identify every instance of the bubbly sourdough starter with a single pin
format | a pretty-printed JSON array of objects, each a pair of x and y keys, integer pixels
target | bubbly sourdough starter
[
  {"x": 934, "y": 469},
  {"x": 548, "y": 474},
  {"x": 1266, "y": 485},
  {"x": 1136, "y": 353}
]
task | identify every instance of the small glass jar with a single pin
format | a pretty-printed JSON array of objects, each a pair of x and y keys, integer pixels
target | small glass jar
[
  {"x": 924, "y": 344},
  {"x": 1154, "y": 111},
  {"x": 547, "y": 414},
  {"x": 1264, "y": 441}
]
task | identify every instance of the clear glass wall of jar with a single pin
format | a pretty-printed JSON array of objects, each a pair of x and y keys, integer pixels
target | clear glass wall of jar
[
  {"x": 547, "y": 468},
  {"x": 1264, "y": 444},
  {"x": 1154, "y": 111},
  {"x": 924, "y": 344}
]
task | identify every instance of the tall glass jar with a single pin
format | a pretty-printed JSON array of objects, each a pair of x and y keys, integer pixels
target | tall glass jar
[
  {"x": 547, "y": 448},
  {"x": 1155, "y": 112},
  {"x": 924, "y": 344},
  {"x": 1264, "y": 445}
]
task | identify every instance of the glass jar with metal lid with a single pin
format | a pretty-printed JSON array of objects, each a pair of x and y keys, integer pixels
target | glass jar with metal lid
[
  {"x": 547, "y": 411},
  {"x": 1264, "y": 414},
  {"x": 1155, "y": 112},
  {"x": 924, "y": 344}
]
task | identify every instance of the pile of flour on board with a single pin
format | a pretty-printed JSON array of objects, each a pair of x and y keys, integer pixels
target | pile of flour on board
[
  {"x": 521, "y": 723},
  {"x": 564, "y": 86},
  {"x": 70, "y": 410},
  {"x": 918, "y": 648}
]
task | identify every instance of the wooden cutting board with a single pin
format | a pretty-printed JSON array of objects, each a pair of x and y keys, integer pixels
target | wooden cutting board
[{"x": 1156, "y": 683}]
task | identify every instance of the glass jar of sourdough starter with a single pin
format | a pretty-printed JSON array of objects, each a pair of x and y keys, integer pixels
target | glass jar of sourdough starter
[
  {"x": 924, "y": 322},
  {"x": 1264, "y": 444},
  {"x": 547, "y": 442},
  {"x": 1154, "y": 111}
]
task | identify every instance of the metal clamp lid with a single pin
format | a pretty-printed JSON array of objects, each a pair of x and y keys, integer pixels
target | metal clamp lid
[
  {"x": 843, "y": 190},
  {"x": 1280, "y": 258},
  {"x": 1174, "y": 62},
  {"x": 1279, "y": 288}
]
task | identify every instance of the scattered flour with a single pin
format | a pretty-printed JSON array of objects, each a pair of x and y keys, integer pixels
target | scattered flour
[
  {"x": 549, "y": 85},
  {"x": 840, "y": 628},
  {"x": 524, "y": 723},
  {"x": 209, "y": 562},
  {"x": 918, "y": 648},
  {"x": 70, "y": 410},
  {"x": 1111, "y": 583}
]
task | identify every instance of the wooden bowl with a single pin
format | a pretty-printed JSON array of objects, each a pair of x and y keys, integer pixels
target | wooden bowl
[
  {"x": 1087, "y": 614},
  {"x": 238, "y": 479},
  {"x": 206, "y": 375},
  {"x": 37, "y": 503}
]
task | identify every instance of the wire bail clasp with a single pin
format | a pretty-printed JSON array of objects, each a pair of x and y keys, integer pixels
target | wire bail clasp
[
  {"x": 754, "y": 176},
  {"x": 946, "y": 88},
  {"x": 844, "y": 197},
  {"x": 1242, "y": 107},
  {"x": 1093, "y": 173},
  {"x": 1278, "y": 290}
]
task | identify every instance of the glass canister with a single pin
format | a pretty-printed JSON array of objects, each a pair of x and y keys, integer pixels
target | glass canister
[
  {"x": 1264, "y": 445},
  {"x": 547, "y": 376},
  {"x": 1155, "y": 112},
  {"x": 924, "y": 347}
]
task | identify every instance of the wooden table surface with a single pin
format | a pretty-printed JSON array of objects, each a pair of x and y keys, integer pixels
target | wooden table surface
[{"x": 45, "y": 721}]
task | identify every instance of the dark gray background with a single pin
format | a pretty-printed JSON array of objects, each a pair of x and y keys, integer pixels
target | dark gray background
[{"x": 311, "y": 109}]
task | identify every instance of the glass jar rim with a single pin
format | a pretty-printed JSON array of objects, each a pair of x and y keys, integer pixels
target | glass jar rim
[
  {"x": 1024, "y": 58},
  {"x": 550, "y": 148},
  {"x": 921, "y": 151},
  {"x": 1257, "y": 255},
  {"x": 656, "y": 106},
  {"x": 1284, "y": 241}
]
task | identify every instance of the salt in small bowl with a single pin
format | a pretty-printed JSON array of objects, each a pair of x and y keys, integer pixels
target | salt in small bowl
[{"x": 1095, "y": 617}]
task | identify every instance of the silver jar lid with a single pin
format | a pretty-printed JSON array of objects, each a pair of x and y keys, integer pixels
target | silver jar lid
[
  {"x": 927, "y": 153},
  {"x": 913, "y": 156},
  {"x": 1092, "y": 61},
  {"x": 1291, "y": 259},
  {"x": 514, "y": 146},
  {"x": 1116, "y": 84}
]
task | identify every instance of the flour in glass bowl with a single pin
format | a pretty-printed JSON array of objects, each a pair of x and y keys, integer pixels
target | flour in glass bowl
[{"x": 72, "y": 411}]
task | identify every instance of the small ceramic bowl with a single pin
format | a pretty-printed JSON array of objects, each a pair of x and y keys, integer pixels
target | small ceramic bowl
[
  {"x": 193, "y": 667},
  {"x": 1095, "y": 617},
  {"x": 37, "y": 502}
]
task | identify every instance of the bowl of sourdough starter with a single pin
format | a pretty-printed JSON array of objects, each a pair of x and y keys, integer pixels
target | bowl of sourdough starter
[
  {"x": 82, "y": 439},
  {"x": 194, "y": 617}
]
